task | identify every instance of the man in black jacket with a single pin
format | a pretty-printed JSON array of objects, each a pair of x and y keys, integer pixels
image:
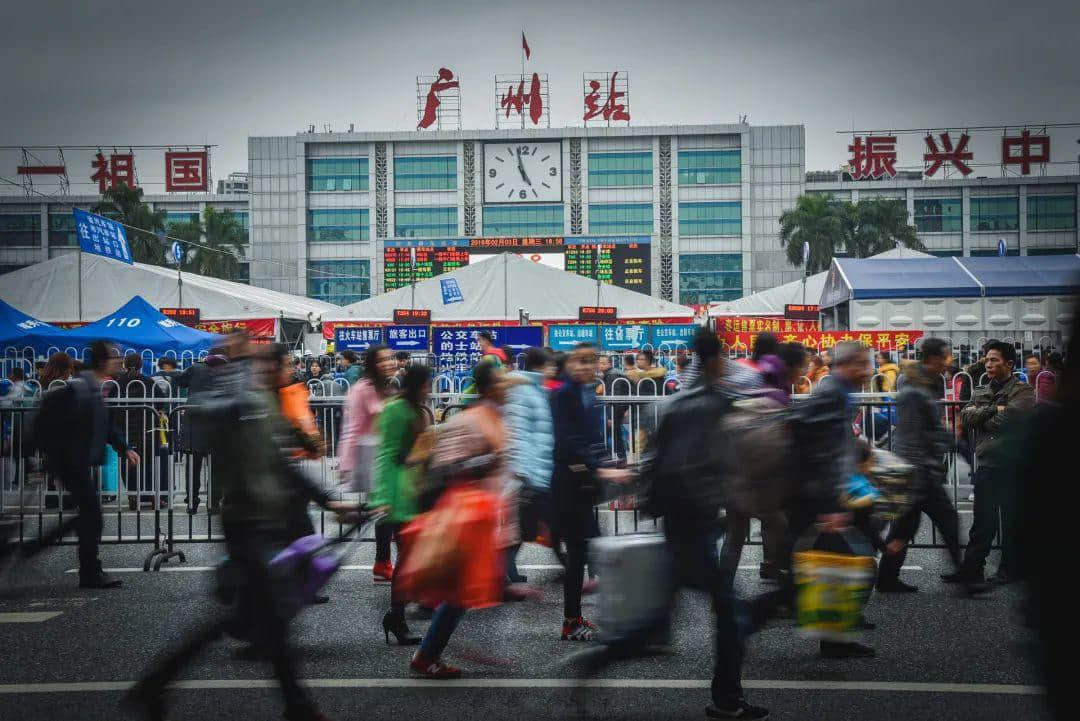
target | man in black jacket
[
  {"x": 578, "y": 420},
  {"x": 74, "y": 447},
  {"x": 921, "y": 440}
]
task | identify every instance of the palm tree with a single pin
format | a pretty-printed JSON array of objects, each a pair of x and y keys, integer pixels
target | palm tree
[
  {"x": 816, "y": 222},
  {"x": 877, "y": 225},
  {"x": 190, "y": 231},
  {"x": 221, "y": 248},
  {"x": 126, "y": 205}
]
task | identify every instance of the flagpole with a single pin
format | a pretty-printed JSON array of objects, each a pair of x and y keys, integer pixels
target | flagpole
[{"x": 522, "y": 114}]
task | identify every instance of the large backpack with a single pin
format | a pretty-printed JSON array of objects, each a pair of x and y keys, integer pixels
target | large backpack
[
  {"x": 54, "y": 423},
  {"x": 759, "y": 446}
]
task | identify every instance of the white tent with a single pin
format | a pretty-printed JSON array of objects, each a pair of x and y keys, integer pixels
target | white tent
[
  {"x": 772, "y": 301},
  {"x": 49, "y": 291},
  {"x": 496, "y": 289}
]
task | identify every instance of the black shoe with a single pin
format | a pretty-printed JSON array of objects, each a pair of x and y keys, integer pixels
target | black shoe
[
  {"x": 769, "y": 572},
  {"x": 896, "y": 587},
  {"x": 863, "y": 625},
  {"x": 193, "y": 507},
  {"x": 145, "y": 702},
  {"x": 739, "y": 710},
  {"x": 100, "y": 581},
  {"x": 320, "y": 599},
  {"x": 1002, "y": 578},
  {"x": 976, "y": 588},
  {"x": 962, "y": 577},
  {"x": 394, "y": 623},
  {"x": 835, "y": 649}
]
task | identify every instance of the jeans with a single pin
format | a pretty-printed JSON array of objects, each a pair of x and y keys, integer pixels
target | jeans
[
  {"x": 443, "y": 623},
  {"x": 993, "y": 497},
  {"x": 697, "y": 564},
  {"x": 576, "y": 527}
]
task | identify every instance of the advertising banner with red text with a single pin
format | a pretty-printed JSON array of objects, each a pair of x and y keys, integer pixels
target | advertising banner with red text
[
  {"x": 887, "y": 340},
  {"x": 264, "y": 329},
  {"x": 760, "y": 324}
]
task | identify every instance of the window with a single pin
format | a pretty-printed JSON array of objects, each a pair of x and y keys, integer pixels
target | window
[
  {"x": 995, "y": 214},
  {"x": 243, "y": 274},
  {"x": 242, "y": 217},
  {"x": 991, "y": 252},
  {"x": 1051, "y": 251},
  {"x": 621, "y": 219},
  {"x": 337, "y": 225},
  {"x": 337, "y": 174},
  {"x": 614, "y": 170},
  {"x": 523, "y": 220},
  {"x": 20, "y": 229},
  {"x": 939, "y": 215},
  {"x": 425, "y": 222},
  {"x": 339, "y": 281},
  {"x": 710, "y": 218},
  {"x": 1051, "y": 212},
  {"x": 706, "y": 277},
  {"x": 62, "y": 230},
  {"x": 415, "y": 172},
  {"x": 710, "y": 167},
  {"x": 173, "y": 217},
  {"x": 946, "y": 253}
]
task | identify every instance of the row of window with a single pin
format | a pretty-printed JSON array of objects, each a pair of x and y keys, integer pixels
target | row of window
[
  {"x": 339, "y": 281},
  {"x": 1044, "y": 212},
  {"x": 707, "y": 277},
  {"x": 606, "y": 170}
]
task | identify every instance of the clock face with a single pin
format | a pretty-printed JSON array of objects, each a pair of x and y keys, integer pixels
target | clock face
[{"x": 522, "y": 172}]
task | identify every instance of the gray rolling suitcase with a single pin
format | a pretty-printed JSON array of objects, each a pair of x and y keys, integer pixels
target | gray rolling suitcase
[{"x": 635, "y": 589}]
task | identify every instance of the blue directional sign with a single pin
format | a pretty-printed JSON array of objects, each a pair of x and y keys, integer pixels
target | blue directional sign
[
  {"x": 567, "y": 337},
  {"x": 457, "y": 349},
  {"x": 413, "y": 338},
  {"x": 673, "y": 336},
  {"x": 356, "y": 339},
  {"x": 623, "y": 337},
  {"x": 451, "y": 291},
  {"x": 102, "y": 236}
]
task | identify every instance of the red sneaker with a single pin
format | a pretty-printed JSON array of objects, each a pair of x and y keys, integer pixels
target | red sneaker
[
  {"x": 433, "y": 668},
  {"x": 578, "y": 629},
  {"x": 382, "y": 572}
]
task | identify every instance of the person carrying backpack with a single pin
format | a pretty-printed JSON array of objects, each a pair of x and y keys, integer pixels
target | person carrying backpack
[{"x": 72, "y": 428}]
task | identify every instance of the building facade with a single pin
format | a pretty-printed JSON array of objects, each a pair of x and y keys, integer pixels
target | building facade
[
  {"x": 1034, "y": 215},
  {"x": 687, "y": 213},
  {"x": 35, "y": 229}
]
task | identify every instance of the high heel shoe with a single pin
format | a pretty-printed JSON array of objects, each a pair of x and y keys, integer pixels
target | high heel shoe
[{"x": 394, "y": 623}]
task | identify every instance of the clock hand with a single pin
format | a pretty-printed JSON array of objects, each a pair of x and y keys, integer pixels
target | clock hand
[{"x": 521, "y": 169}]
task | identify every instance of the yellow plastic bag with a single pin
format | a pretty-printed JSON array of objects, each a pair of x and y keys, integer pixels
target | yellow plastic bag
[{"x": 831, "y": 590}]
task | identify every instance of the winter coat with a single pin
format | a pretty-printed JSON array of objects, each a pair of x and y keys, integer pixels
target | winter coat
[
  {"x": 530, "y": 432},
  {"x": 824, "y": 428},
  {"x": 888, "y": 372},
  {"x": 982, "y": 416},
  {"x": 198, "y": 379},
  {"x": 395, "y": 482},
  {"x": 640, "y": 380},
  {"x": 920, "y": 437},
  {"x": 579, "y": 446},
  {"x": 362, "y": 408}
]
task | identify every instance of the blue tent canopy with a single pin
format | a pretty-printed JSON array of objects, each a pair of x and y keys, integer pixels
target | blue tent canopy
[
  {"x": 851, "y": 278},
  {"x": 18, "y": 331},
  {"x": 1026, "y": 275},
  {"x": 138, "y": 327}
]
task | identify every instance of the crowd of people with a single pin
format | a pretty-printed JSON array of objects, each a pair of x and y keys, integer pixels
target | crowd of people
[{"x": 528, "y": 456}]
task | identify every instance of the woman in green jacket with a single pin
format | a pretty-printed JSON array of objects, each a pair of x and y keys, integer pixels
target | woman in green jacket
[{"x": 400, "y": 424}]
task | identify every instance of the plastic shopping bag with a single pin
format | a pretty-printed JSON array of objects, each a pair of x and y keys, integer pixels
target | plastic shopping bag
[
  {"x": 110, "y": 471},
  {"x": 831, "y": 590}
]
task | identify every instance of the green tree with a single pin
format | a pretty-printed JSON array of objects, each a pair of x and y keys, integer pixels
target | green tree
[
  {"x": 221, "y": 247},
  {"x": 875, "y": 226},
  {"x": 126, "y": 205},
  {"x": 816, "y": 222},
  {"x": 190, "y": 231}
]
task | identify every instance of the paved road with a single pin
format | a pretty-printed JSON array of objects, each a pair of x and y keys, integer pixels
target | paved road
[{"x": 69, "y": 653}]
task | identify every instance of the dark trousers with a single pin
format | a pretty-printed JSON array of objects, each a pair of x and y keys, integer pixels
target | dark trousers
[
  {"x": 698, "y": 565},
  {"x": 384, "y": 534},
  {"x": 939, "y": 509},
  {"x": 397, "y": 601},
  {"x": 772, "y": 537},
  {"x": 443, "y": 623},
  {"x": 995, "y": 514},
  {"x": 140, "y": 476},
  {"x": 216, "y": 489},
  {"x": 268, "y": 627},
  {"x": 87, "y": 522},
  {"x": 576, "y": 526}
]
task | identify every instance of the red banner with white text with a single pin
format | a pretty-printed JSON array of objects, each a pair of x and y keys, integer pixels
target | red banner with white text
[
  {"x": 260, "y": 329},
  {"x": 887, "y": 340}
]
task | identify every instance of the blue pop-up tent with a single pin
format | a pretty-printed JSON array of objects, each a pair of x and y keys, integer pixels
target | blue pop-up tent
[
  {"x": 18, "y": 331},
  {"x": 138, "y": 327}
]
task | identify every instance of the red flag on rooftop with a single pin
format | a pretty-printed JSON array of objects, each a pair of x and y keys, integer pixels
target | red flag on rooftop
[{"x": 525, "y": 46}]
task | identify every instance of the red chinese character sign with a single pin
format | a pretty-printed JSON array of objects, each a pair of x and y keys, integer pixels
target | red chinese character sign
[
  {"x": 873, "y": 157},
  {"x": 607, "y": 98},
  {"x": 1025, "y": 150},
  {"x": 522, "y": 101},
  {"x": 438, "y": 101},
  {"x": 108, "y": 174},
  {"x": 187, "y": 171},
  {"x": 935, "y": 157}
]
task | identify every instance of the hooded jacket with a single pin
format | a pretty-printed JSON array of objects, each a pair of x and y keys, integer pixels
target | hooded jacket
[
  {"x": 889, "y": 373},
  {"x": 530, "y": 432}
]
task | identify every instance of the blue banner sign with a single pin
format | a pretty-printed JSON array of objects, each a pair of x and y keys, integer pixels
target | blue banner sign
[
  {"x": 451, "y": 291},
  {"x": 356, "y": 339},
  {"x": 102, "y": 236},
  {"x": 457, "y": 349},
  {"x": 413, "y": 338},
  {"x": 566, "y": 337},
  {"x": 672, "y": 337},
  {"x": 623, "y": 337}
]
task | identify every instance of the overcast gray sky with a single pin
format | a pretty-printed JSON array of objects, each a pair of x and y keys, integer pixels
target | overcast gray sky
[{"x": 124, "y": 72}]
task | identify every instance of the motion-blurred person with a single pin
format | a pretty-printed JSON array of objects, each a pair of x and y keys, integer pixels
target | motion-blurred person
[
  {"x": 360, "y": 442},
  {"x": 827, "y": 462},
  {"x": 1046, "y": 380},
  {"x": 690, "y": 511},
  {"x": 196, "y": 436},
  {"x": 579, "y": 447},
  {"x": 530, "y": 445},
  {"x": 72, "y": 428},
  {"x": 1004, "y": 400},
  {"x": 136, "y": 417},
  {"x": 922, "y": 441},
  {"x": 258, "y": 521},
  {"x": 400, "y": 423},
  {"x": 555, "y": 375},
  {"x": 1032, "y": 366},
  {"x": 58, "y": 368},
  {"x": 489, "y": 349}
]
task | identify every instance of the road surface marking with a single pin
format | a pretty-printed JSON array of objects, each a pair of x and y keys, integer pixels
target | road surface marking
[
  {"x": 548, "y": 683},
  {"x": 28, "y": 616}
]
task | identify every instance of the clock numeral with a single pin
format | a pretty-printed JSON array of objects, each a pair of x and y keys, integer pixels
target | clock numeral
[
  {"x": 553, "y": 171},
  {"x": 491, "y": 173},
  {"x": 522, "y": 194},
  {"x": 523, "y": 150}
]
